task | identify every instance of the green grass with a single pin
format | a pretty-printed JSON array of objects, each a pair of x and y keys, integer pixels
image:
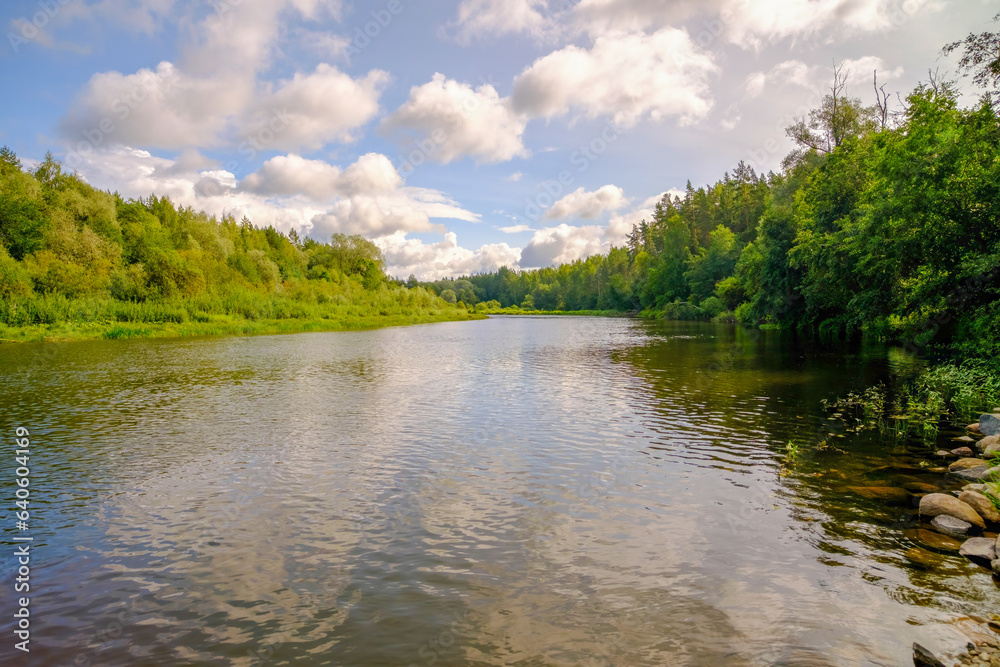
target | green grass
[
  {"x": 231, "y": 312},
  {"x": 238, "y": 326}
]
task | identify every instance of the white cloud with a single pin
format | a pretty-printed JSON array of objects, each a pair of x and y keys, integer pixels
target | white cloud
[
  {"x": 561, "y": 245},
  {"x": 162, "y": 108},
  {"x": 860, "y": 70},
  {"x": 287, "y": 191},
  {"x": 324, "y": 106},
  {"x": 213, "y": 96},
  {"x": 448, "y": 120},
  {"x": 515, "y": 177},
  {"x": 625, "y": 76},
  {"x": 445, "y": 259},
  {"x": 481, "y": 18},
  {"x": 817, "y": 78},
  {"x": 327, "y": 45},
  {"x": 516, "y": 229},
  {"x": 749, "y": 23},
  {"x": 793, "y": 72},
  {"x": 620, "y": 225},
  {"x": 587, "y": 205},
  {"x": 754, "y": 24}
]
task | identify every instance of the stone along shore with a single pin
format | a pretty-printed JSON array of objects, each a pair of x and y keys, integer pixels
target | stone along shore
[{"x": 970, "y": 515}]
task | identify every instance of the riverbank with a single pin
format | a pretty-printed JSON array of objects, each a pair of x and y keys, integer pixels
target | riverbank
[{"x": 219, "y": 326}]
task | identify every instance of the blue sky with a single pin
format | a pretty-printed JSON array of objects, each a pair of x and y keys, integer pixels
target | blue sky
[{"x": 460, "y": 135}]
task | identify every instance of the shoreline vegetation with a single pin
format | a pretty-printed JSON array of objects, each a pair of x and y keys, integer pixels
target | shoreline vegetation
[{"x": 78, "y": 263}]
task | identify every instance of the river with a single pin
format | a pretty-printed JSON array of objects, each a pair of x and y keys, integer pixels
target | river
[{"x": 529, "y": 491}]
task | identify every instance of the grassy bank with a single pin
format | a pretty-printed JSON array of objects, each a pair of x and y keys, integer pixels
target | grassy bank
[{"x": 218, "y": 326}]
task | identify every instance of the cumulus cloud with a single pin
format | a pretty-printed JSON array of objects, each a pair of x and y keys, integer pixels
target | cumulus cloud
[
  {"x": 448, "y": 120},
  {"x": 562, "y": 244},
  {"x": 754, "y": 24},
  {"x": 214, "y": 96},
  {"x": 516, "y": 229},
  {"x": 789, "y": 72},
  {"x": 587, "y": 205},
  {"x": 315, "y": 109},
  {"x": 749, "y": 24},
  {"x": 620, "y": 224},
  {"x": 161, "y": 108},
  {"x": 817, "y": 77},
  {"x": 445, "y": 259},
  {"x": 625, "y": 76},
  {"x": 481, "y": 18},
  {"x": 367, "y": 197}
]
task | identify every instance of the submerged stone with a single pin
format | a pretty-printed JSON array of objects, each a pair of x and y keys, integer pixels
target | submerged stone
[
  {"x": 963, "y": 452},
  {"x": 921, "y": 487},
  {"x": 887, "y": 494},
  {"x": 933, "y": 540}
]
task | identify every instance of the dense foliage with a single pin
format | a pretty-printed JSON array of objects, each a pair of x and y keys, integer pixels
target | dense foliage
[
  {"x": 72, "y": 254},
  {"x": 880, "y": 224}
]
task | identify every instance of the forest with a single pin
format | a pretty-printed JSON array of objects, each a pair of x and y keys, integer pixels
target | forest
[
  {"x": 76, "y": 262},
  {"x": 884, "y": 223}
]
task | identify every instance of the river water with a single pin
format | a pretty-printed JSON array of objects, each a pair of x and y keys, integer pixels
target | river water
[{"x": 515, "y": 491}]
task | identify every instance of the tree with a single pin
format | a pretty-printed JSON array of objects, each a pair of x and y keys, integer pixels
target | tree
[
  {"x": 980, "y": 59},
  {"x": 8, "y": 161},
  {"x": 838, "y": 119}
]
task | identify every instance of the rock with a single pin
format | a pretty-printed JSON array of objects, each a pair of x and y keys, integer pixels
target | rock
[
  {"x": 995, "y": 565},
  {"x": 932, "y": 540},
  {"x": 949, "y": 525},
  {"x": 920, "y": 487},
  {"x": 989, "y": 424},
  {"x": 981, "y": 504},
  {"x": 964, "y": 438},
  {"x": 975, "y": 474},
  {"x": 978, "y": 488},
  {"x": 937, "y": 470},
  {"x": 924, "y": 658},
  {"x": 963, "y": 452},
  {"x": 992, "y": 450},
  {"x": 973, "y": 428},
  {"x": 988, "y": 441},
  {"x": 887, "y": 494},
  {"x": 936, "y": 504},
  {"x": 924, "y": 558},
  {"x": 968, "y": 462},
  {"x": 944, "y": 454},
  {"x": 980, "y": 550}
]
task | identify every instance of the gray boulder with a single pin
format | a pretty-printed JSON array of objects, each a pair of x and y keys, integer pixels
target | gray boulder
[
  {"x": 979, "y": 474},
  {"x": 989, "y": 424},
  {"x": 980, "y": 550},
  {"x": 950, "y": 526}
]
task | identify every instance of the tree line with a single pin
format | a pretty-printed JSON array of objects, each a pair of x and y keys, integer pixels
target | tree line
[
  {"x": 72, "y": 253},
  {"x": 882, "y": 222}
]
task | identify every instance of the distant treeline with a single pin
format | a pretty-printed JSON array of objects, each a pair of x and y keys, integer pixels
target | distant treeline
[
  {"x": 882, "y": 223},
  {"x": 73, "y": 255}
]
